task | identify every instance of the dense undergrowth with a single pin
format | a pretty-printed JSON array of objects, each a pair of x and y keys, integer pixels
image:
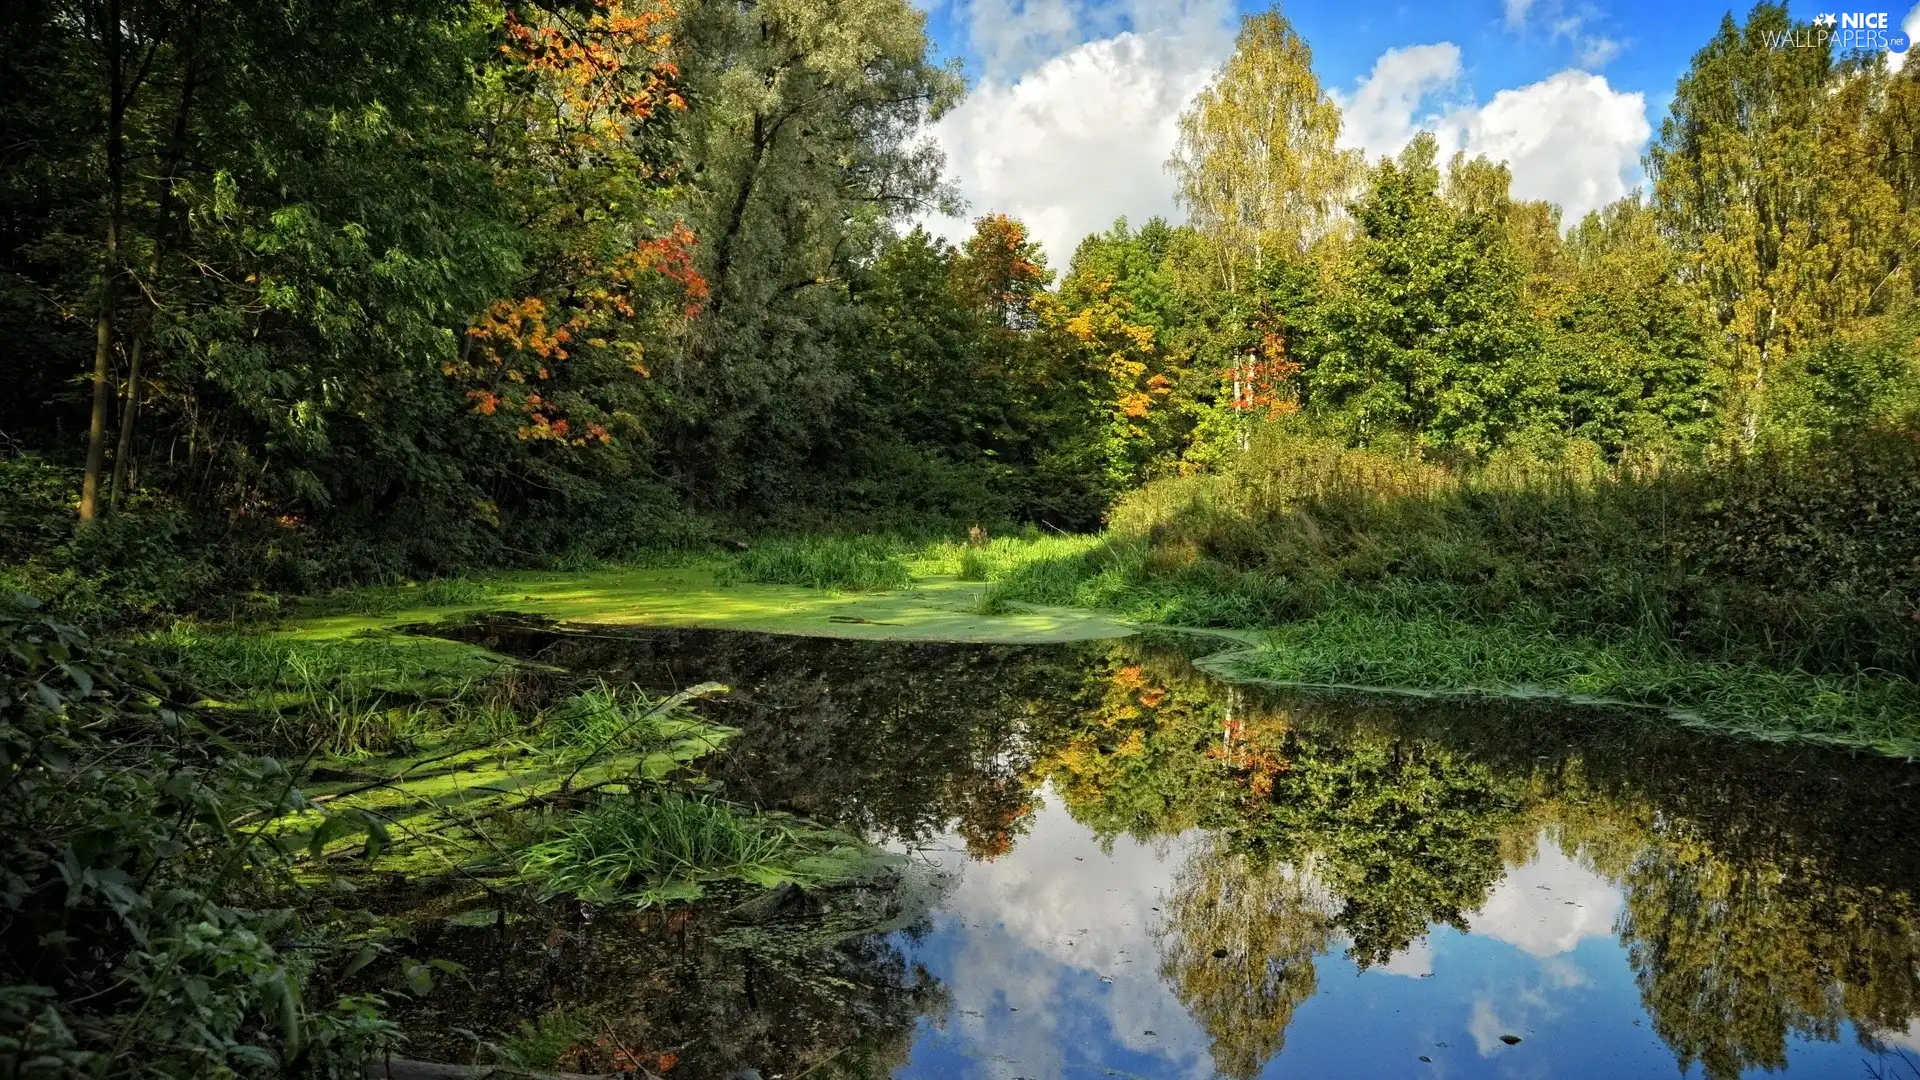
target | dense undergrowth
[
  {"x": 1775, "y": 594},
  {"x": 182, "y": 850},
  {"x": 153, "y": 923}
]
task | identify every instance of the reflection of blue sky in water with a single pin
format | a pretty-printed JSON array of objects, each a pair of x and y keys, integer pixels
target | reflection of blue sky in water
[{"x": 1049, "y": 955}]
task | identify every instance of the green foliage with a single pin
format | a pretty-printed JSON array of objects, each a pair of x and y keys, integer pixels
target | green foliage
[
  {"x": 144, "y": 935},
  {"x": 1429, "y": 339},
  {"x": 654, "y": 849},
  {"x": 849, "y": 564}
]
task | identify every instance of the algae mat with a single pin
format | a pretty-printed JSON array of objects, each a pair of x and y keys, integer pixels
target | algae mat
[{"x": 935, "y": 609}]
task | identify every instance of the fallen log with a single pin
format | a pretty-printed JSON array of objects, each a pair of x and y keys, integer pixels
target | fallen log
[{"x": 399, "y": 1069}]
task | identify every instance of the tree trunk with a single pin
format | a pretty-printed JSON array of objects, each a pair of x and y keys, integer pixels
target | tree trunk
[
  {"x": 176, "y": 155},
  {"x": 129, "y": 407},
  {"x": 110, "y": 273}
]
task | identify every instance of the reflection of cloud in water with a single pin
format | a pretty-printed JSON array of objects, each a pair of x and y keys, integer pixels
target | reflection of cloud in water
[
  {"x": 1905, "y": 1040},
  {"x": 1415, "y": 961},
  {"x": 1563, "y": 973},
  {"x": 1486, "y": 1027},
  {"x": 1038, "y": 928},
  {"x": 1547, "y": 906}
]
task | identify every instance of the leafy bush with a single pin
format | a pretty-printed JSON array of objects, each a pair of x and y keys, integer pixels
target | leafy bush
[{"x": 142, "y": 935}]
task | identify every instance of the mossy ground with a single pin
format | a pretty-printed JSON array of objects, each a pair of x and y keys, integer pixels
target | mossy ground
[
  {"x": 935, "y": 608},
  {"x": 1063, "y": 589}
]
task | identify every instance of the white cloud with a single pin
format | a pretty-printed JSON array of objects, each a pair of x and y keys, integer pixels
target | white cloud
[
  {"x": 1012, "y": 36},
  {"x": 1413, "y": 962},
  {"x": 1073, "y": 119},
  {"x": 1486, "y": 1026},
  {"x": 1564, "y": 20},
  {"x": 1906, "y": 1040},
  {"x": 1380, "y": 115},
  {"x": 1911, "y": 24},
  {"x": 1548, "y": 906},
  {"x": 1570, "y": 138},
  {"x": 1083, "y": 137},
  {"x": 1059, "y": 953}
]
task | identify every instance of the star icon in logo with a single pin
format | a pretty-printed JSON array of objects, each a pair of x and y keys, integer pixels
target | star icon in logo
[{"x": 1824, "y": 20}]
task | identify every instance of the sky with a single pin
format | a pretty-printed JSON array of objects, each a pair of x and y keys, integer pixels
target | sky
[{"x": 1071, "y": 106}]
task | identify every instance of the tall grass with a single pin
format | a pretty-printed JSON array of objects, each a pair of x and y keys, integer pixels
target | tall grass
[
  {"x": 1772, "y": 593},
  {"x": 657, "y": 846},
  {"x": 843, "y": 563}
]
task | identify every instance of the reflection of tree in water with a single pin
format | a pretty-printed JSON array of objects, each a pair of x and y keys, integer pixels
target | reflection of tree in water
[
  {"x": 782, "y": 983},
  {"x": 1767, "y": 895},
  {"x": 1731, "y": 958},
  {"x": 1238, "y": 947},
  {"x": 1405, "y": 833},
  {"x": 1768, "y": 890},
  {"x": 900, "y": 740}
]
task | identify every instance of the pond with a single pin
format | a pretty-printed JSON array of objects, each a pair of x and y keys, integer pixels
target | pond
[{"x": 1116, "y": 865}]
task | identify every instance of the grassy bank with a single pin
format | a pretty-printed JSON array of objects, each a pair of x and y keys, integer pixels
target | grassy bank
[
  {"x": 1776, "y": 596},
  {"x": 1353, "y": 571}
]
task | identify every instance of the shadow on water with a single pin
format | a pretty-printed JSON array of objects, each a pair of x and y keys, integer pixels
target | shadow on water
[{"x": 1502, "y": 888}]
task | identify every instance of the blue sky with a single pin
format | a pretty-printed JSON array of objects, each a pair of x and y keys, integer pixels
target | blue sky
[{"x": 1071, "y": 113}]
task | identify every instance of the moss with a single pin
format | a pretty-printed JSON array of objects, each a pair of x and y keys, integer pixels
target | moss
[{"x": 938, "y": 608}]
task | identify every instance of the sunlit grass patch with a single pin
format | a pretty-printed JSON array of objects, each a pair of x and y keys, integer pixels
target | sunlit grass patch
[
  {"x": 649, "y": 848},
  {"x": 847, "y": 564}
]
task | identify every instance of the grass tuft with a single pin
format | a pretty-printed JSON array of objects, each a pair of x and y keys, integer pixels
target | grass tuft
[
  {"x": 845, "y": 564},
  {"x": 648, "y": 848}
]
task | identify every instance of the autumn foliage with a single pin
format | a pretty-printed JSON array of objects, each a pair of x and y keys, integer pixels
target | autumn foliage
[{"x": 609, "y": 285}]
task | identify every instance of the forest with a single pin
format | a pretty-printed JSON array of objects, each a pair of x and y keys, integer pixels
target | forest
[{"x": 355, "y": 309}]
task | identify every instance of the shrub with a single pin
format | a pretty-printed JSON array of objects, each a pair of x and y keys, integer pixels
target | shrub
[{"x": 140, "y": 934}]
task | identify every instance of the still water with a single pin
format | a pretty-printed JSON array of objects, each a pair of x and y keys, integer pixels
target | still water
[{"x": 1117, "y": 866}]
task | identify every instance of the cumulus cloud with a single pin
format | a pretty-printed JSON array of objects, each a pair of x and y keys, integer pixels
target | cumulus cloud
[
  {"x": 1083, "y": 137},
  {"x": 1413, "y": 962},
  {"x": 1911, "y": 24},
  {"x": 1012, "y": 36},
  {"x": 1570, "y": 138},
  {"x": 1379, "y": 116},
  {"x": 1075, "y": 114},
  {"x": 1548, "y": 906}
]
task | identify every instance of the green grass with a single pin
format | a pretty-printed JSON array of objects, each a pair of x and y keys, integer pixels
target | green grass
[
  {"x": 1523, "y": 657},
  {"x": 838, "y": 563},
  {"x": 1407, "y": 635},
  {"x": 649, "y": 848}
]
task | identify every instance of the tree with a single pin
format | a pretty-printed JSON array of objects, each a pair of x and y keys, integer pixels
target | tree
[
  {"x": 1257, "y": 165},
  {"x": 1637, "y": 354},
  {"x": 806, "y": 142},
  {"x": 1428, "y": 338},
  {"x": 1765, "y": 176}
]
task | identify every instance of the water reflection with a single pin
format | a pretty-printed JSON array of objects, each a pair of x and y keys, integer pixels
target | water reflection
[{"x": 1160, "y": 875}]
